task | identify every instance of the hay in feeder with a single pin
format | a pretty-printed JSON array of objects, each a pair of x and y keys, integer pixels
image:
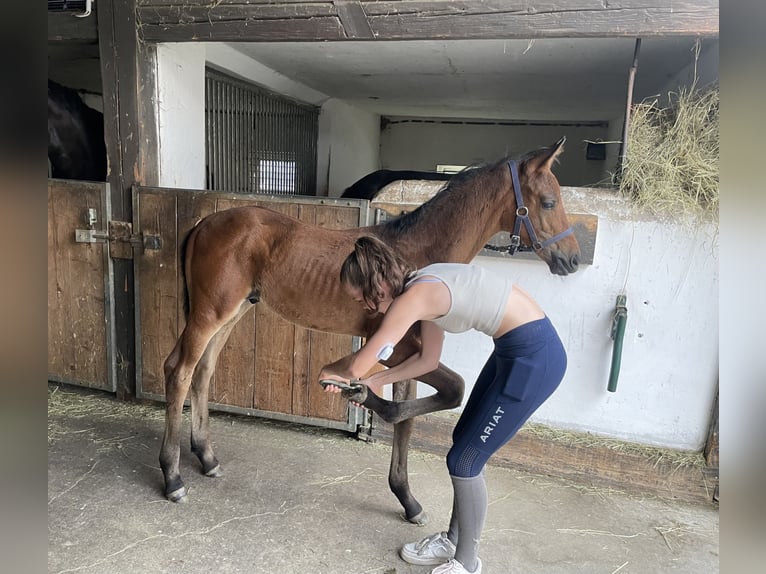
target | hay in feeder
[{"x": 671, "y": 166}]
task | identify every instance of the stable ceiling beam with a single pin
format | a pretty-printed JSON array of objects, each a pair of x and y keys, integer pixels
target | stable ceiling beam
[{"x": 293, "y": 20}]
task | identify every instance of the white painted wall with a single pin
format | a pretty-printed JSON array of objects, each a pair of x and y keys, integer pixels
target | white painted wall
[
  {"x": 704, "y": 72},
  {"x": 181, "y": 115},
  {"x": 669, "y": 374},
  {"x": 350, "y": 140}
]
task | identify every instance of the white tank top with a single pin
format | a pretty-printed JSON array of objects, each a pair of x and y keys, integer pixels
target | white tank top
[{"x": 479, "y": 296}]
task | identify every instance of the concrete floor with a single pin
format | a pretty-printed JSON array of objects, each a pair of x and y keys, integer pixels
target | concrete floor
[{"x": 301, "y": 499}]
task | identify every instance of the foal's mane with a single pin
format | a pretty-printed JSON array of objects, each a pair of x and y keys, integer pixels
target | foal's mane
[{"x": 473, "y": 176}]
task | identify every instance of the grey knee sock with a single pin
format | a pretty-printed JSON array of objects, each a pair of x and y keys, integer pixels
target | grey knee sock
[
  {"x": 453, "y": 531},
  {"x": 471, "y": 499}
]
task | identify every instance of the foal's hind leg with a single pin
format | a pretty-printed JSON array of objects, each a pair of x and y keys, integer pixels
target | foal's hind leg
[
  {"x": 179, "y": 368},
  {"x": 200, "y": 422}
]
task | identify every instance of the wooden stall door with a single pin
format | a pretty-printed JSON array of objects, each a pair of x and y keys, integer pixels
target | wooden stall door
[
  {"x": 79, "y": 292},
  {"x": 269, "y": 365}
]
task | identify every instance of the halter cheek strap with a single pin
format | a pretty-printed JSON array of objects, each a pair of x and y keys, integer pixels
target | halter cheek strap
[{"x": 522, "y": 216}]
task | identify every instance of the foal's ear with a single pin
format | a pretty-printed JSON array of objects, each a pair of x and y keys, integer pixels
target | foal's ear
[{"x": 544, "y": 158}]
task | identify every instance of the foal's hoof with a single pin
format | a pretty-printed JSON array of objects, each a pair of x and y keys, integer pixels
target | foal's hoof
[
  {"x": 178, "y": 495},
  {"x": 215, "y": 472},
  {"x": 357, "y": 395},
  {"x": 421, "y": 518}
]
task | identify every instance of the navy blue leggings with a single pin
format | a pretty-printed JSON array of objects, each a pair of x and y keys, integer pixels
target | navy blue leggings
[{"x": 525, "y": 368}]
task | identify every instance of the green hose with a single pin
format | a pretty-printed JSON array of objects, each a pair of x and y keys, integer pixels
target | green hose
[{"x": 618, "y": 333}]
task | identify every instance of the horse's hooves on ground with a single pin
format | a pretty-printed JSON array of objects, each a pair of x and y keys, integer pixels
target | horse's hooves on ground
[
  {"x": 421, "y": 518},
  {"x": 178, "y": 495},
  {"x": 215, "y": 472}
]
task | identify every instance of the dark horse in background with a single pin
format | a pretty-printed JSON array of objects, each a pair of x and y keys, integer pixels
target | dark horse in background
[
  {"x": 369, "y": 186},
  {"x": 235, "y": 258},
  {"x": 76, "y": 148}
]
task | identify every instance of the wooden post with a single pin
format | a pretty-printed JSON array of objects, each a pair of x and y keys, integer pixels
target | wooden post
[{"x": 126, "y": 69}]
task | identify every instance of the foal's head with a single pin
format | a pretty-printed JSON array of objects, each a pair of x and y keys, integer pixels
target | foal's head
[{"x": 542, "y": 196}]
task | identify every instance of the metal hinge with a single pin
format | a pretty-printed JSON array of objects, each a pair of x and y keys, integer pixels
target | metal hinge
[
  {"x": 122, "y": 241},
  {"x": 364, "y": 425}
]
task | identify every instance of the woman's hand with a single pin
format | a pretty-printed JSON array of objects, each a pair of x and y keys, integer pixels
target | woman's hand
[{"x": 327, "y": 375}]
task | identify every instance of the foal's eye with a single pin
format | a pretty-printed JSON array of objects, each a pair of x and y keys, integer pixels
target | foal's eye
[{"x": 548, "y": 204}]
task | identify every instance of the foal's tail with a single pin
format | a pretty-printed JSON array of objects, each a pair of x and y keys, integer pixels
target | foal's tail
[{"x": 184, "y": 245}]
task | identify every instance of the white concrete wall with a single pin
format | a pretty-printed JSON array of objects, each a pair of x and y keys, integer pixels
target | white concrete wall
[
  {"x": 669, "y": 374},
  {"x": 704, "y": 72},
  {"x": 181, "y": 115},
  {"x": 350, "y": 141}
]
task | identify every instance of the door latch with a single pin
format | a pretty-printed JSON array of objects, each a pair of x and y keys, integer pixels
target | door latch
[{"x": 120, "y": 237}]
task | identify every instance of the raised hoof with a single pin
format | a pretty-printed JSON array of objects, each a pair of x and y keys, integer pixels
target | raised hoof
[
  {"x": 421, "y": 518},
  {"x": 178, "y": 495},
  {"x": 356, "y": 396},
  {"x": 215, "y": 472}
]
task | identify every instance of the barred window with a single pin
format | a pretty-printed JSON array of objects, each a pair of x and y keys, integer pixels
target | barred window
[{"x": 258, "y": 141}]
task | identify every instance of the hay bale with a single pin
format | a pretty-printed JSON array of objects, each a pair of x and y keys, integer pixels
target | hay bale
[{"x": 671, "y": 166}]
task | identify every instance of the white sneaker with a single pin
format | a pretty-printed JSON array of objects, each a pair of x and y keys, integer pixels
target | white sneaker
[
  {"x": 455, "y": 567},
  {"x": 434, "y": 549}
]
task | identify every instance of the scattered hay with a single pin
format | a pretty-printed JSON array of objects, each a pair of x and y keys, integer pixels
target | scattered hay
[
  {"x": 656, "y": 455},
  {"x": 671, "y": 166},
  {"x": 81, "y": 404}
]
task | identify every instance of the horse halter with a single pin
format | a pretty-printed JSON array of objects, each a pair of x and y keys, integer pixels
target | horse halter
[{"x": 522, "y": 216}]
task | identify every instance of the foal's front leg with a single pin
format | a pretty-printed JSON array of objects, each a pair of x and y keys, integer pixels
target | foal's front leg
[
  {"x": 398, "y": 477},
  {"x": 449, "y": 394},
  {"x": 450, "y": 388}
]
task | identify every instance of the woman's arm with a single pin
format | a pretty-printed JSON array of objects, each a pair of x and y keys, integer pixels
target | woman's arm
[
  {"x": 425, "y": 361},
  {"x": 410, "y": 307}
]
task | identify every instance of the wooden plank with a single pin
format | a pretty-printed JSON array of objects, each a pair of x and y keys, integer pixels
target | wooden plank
[
  {"x": 354, "y": 20},
  {"x": 442, "y": 19},
  {"x": 253, "y": 21},
  {"x": 158, "y": 289},
  {"x": 325, "y": 348},
  {"x": 77, "y": 305},
  {"x": 595, "y": 465},
  {"x": 712, "y": 444},
  {"x": 264, "y": 23}
]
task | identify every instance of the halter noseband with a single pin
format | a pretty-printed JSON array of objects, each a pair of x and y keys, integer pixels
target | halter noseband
[{"x": 522, "y": 216}]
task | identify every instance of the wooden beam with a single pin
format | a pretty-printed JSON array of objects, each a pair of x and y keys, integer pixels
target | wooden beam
[
  {"x": 327, "y": 20},
  {"x": 127, "y": 72},
  {"x": 355, "y": 23}
]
